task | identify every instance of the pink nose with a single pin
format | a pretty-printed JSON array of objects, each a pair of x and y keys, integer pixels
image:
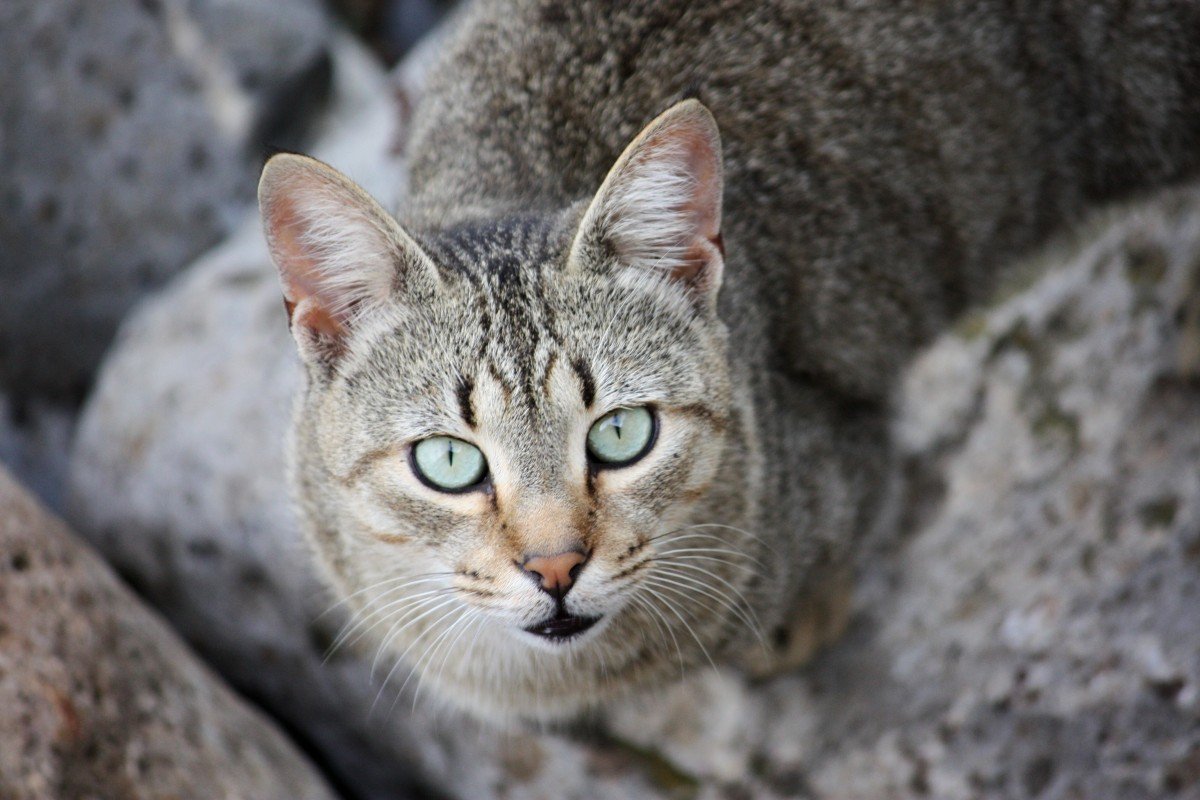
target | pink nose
[{"x": 555, "y": 573}]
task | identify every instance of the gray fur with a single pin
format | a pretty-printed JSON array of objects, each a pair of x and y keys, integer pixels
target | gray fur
[{"x": 882, "y": 161}]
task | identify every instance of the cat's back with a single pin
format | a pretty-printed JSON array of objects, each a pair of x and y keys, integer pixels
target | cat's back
[
  {"x": 881, "y": 156},
  {"x": 848, "y": 136},
  {"x": 536, "y": 98}
]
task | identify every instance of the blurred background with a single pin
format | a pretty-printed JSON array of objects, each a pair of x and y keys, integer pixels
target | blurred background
[
  {"x": 1033, "y": 631},
  {"x": 131, "y": 135}
]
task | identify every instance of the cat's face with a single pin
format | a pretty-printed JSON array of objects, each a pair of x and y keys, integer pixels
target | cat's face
[
  {"x": 519, "y": 417},
  {"x": 506, "y": 421}
]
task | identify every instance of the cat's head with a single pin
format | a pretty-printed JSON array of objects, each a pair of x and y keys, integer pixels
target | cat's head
[{"x": 505, "y": 420}]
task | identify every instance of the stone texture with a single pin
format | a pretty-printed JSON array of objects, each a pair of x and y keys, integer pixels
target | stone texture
[
  {"x": 99, "y": 699},
  {"x": 35, "y": 439},
  {"x": 391, "y": 27},
  {"x": 1030, "y": 633},
  {"x": 240, "y": 560},
  {"x": 130, "y": 139}
]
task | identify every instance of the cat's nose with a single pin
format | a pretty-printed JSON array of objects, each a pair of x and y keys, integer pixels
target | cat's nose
[{"x": 556, "y": 573}]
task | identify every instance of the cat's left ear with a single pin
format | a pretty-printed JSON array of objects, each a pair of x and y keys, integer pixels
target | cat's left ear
[{"x": 659, "y": 208}]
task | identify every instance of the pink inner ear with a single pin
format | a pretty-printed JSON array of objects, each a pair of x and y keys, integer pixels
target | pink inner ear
[
  {"x": 703, "y": 206},
  {"x": 692, "y": 267},
  {"x": 299, "y": 272}
]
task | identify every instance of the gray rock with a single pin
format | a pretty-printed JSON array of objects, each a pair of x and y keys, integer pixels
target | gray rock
[
  {"x": 35, "y": 443},
  {"x": 98, "y": 698},
  {"x": 130, "y": 140},
  {"x": 237, "y": 557},
  {"x": 391, "y": 27},
  {"x": 1032, "y": 633}
]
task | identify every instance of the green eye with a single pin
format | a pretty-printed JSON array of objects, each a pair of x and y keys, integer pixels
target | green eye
[
  {"x": 447, "y": 463},
  {"x": 621, "y": 436}
]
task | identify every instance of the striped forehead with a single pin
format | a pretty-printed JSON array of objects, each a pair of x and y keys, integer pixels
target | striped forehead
[{"x": 504, "y": 264}]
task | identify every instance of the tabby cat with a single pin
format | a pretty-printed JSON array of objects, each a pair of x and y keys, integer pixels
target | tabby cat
[{"x": 610, "y": 401}]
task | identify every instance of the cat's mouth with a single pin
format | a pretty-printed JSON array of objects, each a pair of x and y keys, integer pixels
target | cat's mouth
[{"x": 562, "y": 627}]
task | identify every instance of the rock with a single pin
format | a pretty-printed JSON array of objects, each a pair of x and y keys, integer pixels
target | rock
[
  {"x": 1033, "y": 633},
  {"x": 35, "y": 443},
  {"x": 98, "y": 698},
  {"x": 130, "y": 140},
  {"x": 392, "y": 27},
  {"x": 1030, "y": 634},
  {"x": 241, "y": 560}
]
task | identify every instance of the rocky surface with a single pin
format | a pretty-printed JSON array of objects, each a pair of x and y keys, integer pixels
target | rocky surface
[
  {"x": 391, "y": 27},
  {"x": 99, "y": 699},
  {"x": 236, "y": 556},
  {"x": 1032, "y": 633},
  {"x": 35, "y": 444},
  {"x": 130, "y": 139}
]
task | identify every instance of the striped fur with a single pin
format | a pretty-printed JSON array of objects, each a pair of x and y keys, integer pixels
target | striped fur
[{"x": 881, "y": 162}]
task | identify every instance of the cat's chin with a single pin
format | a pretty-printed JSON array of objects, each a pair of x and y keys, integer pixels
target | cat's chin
[{"x": 518, "y": 680}]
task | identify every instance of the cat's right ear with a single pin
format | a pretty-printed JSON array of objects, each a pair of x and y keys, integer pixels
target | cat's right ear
[
  {"x": 339, "y": 254},
  {"x": 659, "y": 208}
]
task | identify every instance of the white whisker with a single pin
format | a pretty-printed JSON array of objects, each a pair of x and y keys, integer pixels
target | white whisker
[
  {"x": 734, "y": 556},
  {"x": 366, "y": 613},
  {"x": 432, "y": 605},
  {"x": 400, "y": 659},
  {"x": 676, "y": 556},
  {"x": 684, "y": 563},
  {"x": 431, "y": 650},
  {"x": 658, "y": 619},
  {"x": 735, "y": 529},
  {"x": 424, "y": 577},
  {"x": 671, "y": 607},
  {"x": 689, "y": 593},
  {"x": 745, "y": 614}
]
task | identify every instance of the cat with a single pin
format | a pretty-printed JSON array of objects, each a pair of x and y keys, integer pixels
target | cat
[{"x": 611, "y": 402}]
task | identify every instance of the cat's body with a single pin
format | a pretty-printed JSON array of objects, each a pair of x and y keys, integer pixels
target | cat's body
[{"x": 882, "y": 160}]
